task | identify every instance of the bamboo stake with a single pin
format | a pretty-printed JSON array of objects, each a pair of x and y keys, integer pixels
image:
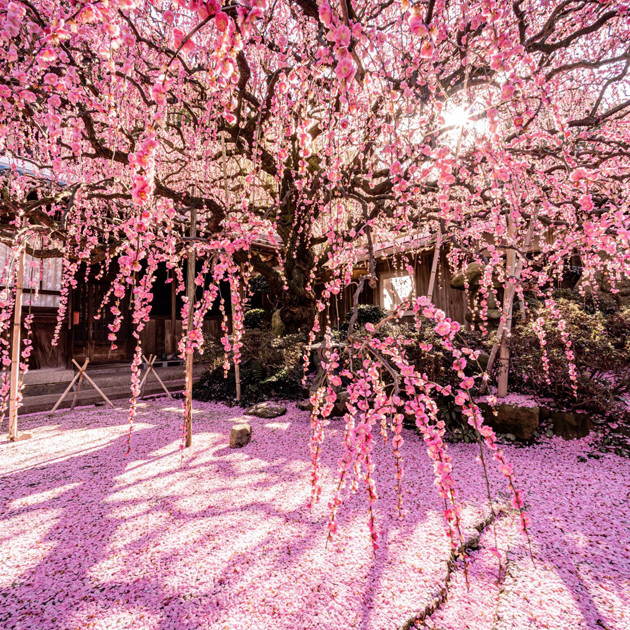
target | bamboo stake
[
  {"x": 508, "y": 307},
  {"x": 434, "y": 264},
  {"x": 237, "y": 367},
  {"x": 70, "y": 385},
  {"x": 15, "y": 351},
  {"x": 190, "y": 292},
  {"x": 94, "y": 385}
]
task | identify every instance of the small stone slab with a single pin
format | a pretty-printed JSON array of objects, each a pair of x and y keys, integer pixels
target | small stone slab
[
  {"x": 341, "y": 403},
  {"x": 570, "y": 426},
  {"x": 267, "y": 410},
  {"x": 304, "y": 405},
  {"x": 240, "y": 435},
  {"x": 521, "y": 422}
]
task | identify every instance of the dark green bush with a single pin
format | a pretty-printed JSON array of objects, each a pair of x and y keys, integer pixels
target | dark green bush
[
  {"x": 601, "y": 343},
  {"x": 271, "y": 368},
  {"x": 368, "y": 313},
  {"x": 256, "y": 318},
  {"x": 258, "y": 284}
]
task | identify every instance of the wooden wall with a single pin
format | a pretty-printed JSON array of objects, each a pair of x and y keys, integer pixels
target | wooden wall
[
  {"x": 44, "y": 354},
  {"x": 155, "y": 336},
  {"x": 451, "y": 301}
]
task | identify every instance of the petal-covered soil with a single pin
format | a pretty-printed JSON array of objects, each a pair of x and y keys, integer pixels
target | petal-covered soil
[{"x": 217, "y": 538}]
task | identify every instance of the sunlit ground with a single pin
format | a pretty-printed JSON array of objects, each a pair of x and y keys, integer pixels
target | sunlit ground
[{"x": 218, "y": 538}]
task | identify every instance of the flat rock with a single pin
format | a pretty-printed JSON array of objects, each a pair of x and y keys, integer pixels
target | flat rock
[
  {"x": 341, "y": 404},
  {"x": 521, "y": 422},
  {"x": 267, "y": 410},
  {"x": 304, "y": 405},
  {"x": 240, "y": 435},
  {"x": 570, "y": 426}
]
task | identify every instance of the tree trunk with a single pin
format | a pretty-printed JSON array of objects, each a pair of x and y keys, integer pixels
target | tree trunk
[{"x": 296, "y": 302}]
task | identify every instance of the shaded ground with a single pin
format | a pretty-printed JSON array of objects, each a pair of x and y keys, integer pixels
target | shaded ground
[{"x": 221, "y": 539}]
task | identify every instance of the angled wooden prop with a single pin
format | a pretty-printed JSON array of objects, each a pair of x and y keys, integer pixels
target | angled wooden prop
[
  {"x": 79, "y": 376},
  {"x": 150, "y": 369}
]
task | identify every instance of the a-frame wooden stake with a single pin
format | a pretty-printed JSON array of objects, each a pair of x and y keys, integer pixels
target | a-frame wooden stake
[
  {"x": 80, "y": 375},
  {"x": 151, "y": 370}
]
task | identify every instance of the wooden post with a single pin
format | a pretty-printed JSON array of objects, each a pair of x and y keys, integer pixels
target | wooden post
[
  {"x": 434, "y": 264},
  {"x": 237, "y": 367},
  {"x": 76, "y": 392},
  {"x": 15, "y": 350},
  {"x": 190, "y": 292},
  {"x": 172, "y": 337},
  {"x": 508, "y": 307}
]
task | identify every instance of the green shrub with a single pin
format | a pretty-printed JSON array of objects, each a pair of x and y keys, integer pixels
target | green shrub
[
  {"x": 258, "y": 284},
  {"x": 368, "y": 313},
  {"x": 600, "y": 340},
  {"x": 256, "y": 318},
  {"x": 270, "y": 368}
]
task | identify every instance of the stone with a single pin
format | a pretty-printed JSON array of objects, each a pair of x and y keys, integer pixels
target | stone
[
  {"x": 240, "y": 435},
  {"x": 570, "y": 426},
  {"x": 267, "y": 410},
  {"x": 341, "y": 403},
  {"x": 471, "y": 276},
  {"x": 277, "y": 325},
  {"x": 521, "y": 422},
  {"x": 304, "y": 405}
]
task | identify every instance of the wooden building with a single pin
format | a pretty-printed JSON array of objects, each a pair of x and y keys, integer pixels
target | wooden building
[
  {"x": 85, "y": 327},
  {"x": 395, "y": 284}
]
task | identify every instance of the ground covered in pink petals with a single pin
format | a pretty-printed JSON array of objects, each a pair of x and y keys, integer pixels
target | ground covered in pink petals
[{"x": 220, "y": 538}]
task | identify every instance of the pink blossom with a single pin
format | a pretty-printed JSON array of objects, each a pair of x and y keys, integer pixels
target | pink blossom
[
  {"x": 345, "y": 69},
  {"x": 586, "y": 203},
  {"x": 417, "y": 26},
  {"x": 221, "y": 20}
]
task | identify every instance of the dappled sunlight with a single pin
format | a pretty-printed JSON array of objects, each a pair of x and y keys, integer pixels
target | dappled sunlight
[{"x": 219, "y": 538}]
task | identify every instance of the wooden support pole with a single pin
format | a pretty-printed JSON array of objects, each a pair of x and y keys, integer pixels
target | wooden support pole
[
  {"x": 15, "y": 350},
  {"x": 94, "y": 385},
  {"x": 237, "y": 367},
  {"x": 508, "y": 297},
  {"x": 190, "y": 292},
  {"x": 434, "y": 264},
  {"x": 80, "y": 375},
  {"x": 508, "y": 307},
  {"x": 172, "y": 346},
  {"x": 76, "y": 391}
]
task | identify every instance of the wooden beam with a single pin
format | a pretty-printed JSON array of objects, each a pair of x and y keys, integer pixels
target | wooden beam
[
  {"x": 190, "y": 292},
  {"x": 434, "y": 264},
  {"x": 15, "y": 350},
  {"x": 508, "y": 307}
]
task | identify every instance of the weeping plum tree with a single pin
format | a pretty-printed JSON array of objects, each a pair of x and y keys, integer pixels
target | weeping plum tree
[{"x": 496, "y": 130}]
